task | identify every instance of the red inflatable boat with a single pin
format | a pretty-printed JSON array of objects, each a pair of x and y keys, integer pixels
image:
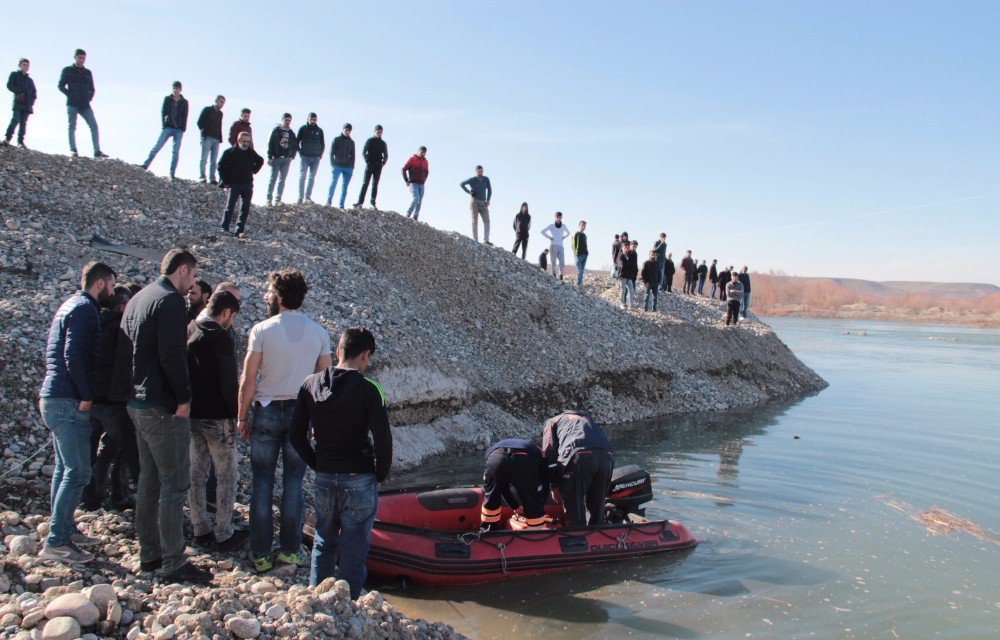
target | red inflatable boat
[{"x": 432, "y": 536}]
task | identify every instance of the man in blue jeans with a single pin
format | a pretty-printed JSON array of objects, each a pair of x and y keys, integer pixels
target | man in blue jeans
[
  {"x": 580, "y": 251},
  {"x": 66, "y": 399},
  {"x": 342, "y": 163},
  {"x": 282, "y": 351},
  {"x": 344, "y": 408},
  {"x": 311, "y": 145},
  {"x": 280, "y": 153},
  {"x": 173, "y": 117},
  {"x": 77, "y": 84}
]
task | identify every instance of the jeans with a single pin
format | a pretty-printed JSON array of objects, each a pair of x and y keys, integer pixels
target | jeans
[
  {"x": 18, "y": 119},
  {"x": 521, "y": 241},
  {"x": 701, "y": 286},
  {"x": 71, "y": 430},
  {"x": 373, "y": 172},
  {"x": 581, "y": 265},
  {"x": 346, "y": 172},
  {"x": 557, "y": 253},
  {"x": 213, "y": 442},
  {"x": 346, "y": 504},
  {"x": 628, "y": 288},
  {"x": 746, "y": 303},
  {"x": 279, "y": 171},
  {"x": 168, "y": 132},
  {"x": 651, "y": 293},
  {"x": 714, "y": 287},
  {"x": 418, "y": 198},
  {"x": 88, "y": 117},
  {"x": 308, "y": 165},
  {"x": 116, "y": 447},
  {"x": 479, "y": 208},
  {"x": 164, "y": 479},
  {"x": 236, "y": 192},
  {"x": 268, "y": 440},
  {"x": 210, "y": 153}
]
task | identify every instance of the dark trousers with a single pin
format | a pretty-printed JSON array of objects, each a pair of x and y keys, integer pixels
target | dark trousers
[
  {"x": 508, "y": 469},
  {"x": 668, "y": 283},
  {"x": 522, "y": 241},
  {"x": 732, "y": 311},
  {"x": 584, "y": 486},
  {"x": 19, "y": 118},
  {"x": 236, "y": 192},
  {"x": 372, "y": 173},
  {"x": 114, "y": 450}
]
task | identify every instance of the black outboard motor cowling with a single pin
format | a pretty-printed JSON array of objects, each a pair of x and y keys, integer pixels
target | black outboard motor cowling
[{"x": 631, "y": 487}]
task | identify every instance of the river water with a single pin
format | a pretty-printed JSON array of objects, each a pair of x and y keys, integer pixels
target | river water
[{"x": 815, "y": 517}]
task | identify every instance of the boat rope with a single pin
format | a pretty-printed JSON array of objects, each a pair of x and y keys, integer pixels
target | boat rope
[
  {"x": 620, "y": 540},
  {"x": 503, "y": 557}
]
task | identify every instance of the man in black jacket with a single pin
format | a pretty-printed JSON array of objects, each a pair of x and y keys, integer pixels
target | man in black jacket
[
  {"x": 745, "y": 281},
  {"x": 151, "y": 376},
  {"x": 23, "y": 87},
  {"x": 651, "y": 278},
  {"x": 580, "y": 460},
  {"x": 236, "y": 170},
  {"x": 628, "y": 271},
  {"x": 311, "y": 145},
  {"x": 690, "y": 269},
  {"x": 522, "y": 227},
  {"x": 342, "y": 163},
  {"x": 723, "y": 281},
  {"x": 210, "y": 125},
  {"x": 173, "y": 117},
  {"x": 668, "y": 274},
  {"x": 702, "y": 272},
  {"x": 280, "y": 153},
  {"x": 211, "y": 359},
  {"x": 713, "y": 276},
  {"x": 77, "y": 84},
  {"x": 376, "y": 154},
  {"x": 346, "y": 413}
]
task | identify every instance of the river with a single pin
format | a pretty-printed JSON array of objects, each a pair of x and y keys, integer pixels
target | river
[{"x": 815, "y": 517}]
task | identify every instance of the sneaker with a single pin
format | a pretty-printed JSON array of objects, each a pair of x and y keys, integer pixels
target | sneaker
[
  {"x": 297, "y": 558},
  {"x": 202, "y": 180},
  {"x": 213, "y": 182},
  {"x": 101, "y": 154},
  {"x": 22, "y": 145},
  {"x": 234, "y": 542},
  {"x": 188, "y": 572},
  {"x": 374, "y": 207},
  {"x": 299, "y": 201},
  {"x": 5, "y": 143},
  {"x": 357, "y": 205},
  {"x": 150, "y": 565},
  {"x": 83, "y": 540},
  {"x": 488, "y": 243},
  {"x": 262, "y": 564},
  {"x": 270, "y": 203},
  {"x": 277, "y": 202},
  {"x": 329, "y": 203},
  {"x": 240, "y": 234},
  {"x": 205, "y": 539},
  {"x": 74, "y": 153},
  {"x": 69, "y": 553}
]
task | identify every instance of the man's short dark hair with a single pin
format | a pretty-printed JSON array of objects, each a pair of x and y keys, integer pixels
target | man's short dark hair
[
  {"x": 133, "y": 287},
  {"x": 227, "y": 284},
  {"x": 355, "y": 341},
  {"x": 291, "y": 287},
  {"x": 423, "y": 148},
  {"x": 177, "y": 83},
  {"x": 312, "y": 114},
  {"x": 222, "y": 300},
  {"x": 121, "y": 295},
  {"x": 479, "y": 166},
  {"x": 558, "y": 214},
  {"x": 206, "y": 289},
  {"x": 220, "y": 97},
  {"x": 378, "y": 127},
  {"x": 244, "y": 110},
  {"x": 347, "y": 125},
  {"x": 94, "y": 272},
  {"x": 79, "y": 52},
  {"x": 286, "y": 115},
  {"x": 23, "y": 60},
  {"x": 175, "y": 259}
]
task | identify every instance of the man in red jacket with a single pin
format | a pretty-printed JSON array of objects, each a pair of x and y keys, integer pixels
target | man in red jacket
[{"x": 415, "y": 175}]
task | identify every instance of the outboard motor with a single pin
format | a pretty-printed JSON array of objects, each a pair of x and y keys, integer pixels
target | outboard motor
[{"x": 631, "y": 487}]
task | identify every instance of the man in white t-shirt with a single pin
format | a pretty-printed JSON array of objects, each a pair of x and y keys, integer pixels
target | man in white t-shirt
[
  {"x": 557, "y": 233},
  {"x": 283, "y": 350}
]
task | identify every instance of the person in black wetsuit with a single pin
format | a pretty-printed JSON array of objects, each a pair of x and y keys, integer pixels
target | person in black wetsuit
[
  {"x": 514, "y": 464},
  {"x": 580, "y": 460}
]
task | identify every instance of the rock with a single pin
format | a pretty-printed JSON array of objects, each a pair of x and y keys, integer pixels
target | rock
[
  {"x": 261, "y": 588},
  {"x": 101, "y": 595},
  {"x": 275, "y": 611},
  {"x": 245, "y": 628},
  {"x": 371, "y": 600},
  {"x": 74, "y": 605},
  {"x": 32, "y": 618},
  {"x": 61, "y": 628},
  {"x": 166, "y": 633},
  {"x": 342, "y": 588},
  {"x": 114, "y": 614},
  {"x": 22, "y": 546}
]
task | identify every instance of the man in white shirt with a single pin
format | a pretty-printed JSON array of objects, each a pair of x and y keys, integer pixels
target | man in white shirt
[
  {"x": 557, "y": 234},
  {"x": 283, "y": 350}
]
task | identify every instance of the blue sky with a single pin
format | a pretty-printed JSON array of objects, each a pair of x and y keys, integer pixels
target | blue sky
[{"x": 852, "y": 139}]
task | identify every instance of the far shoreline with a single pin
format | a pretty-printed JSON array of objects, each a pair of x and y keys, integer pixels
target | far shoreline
[{"x": 974, "y": 323}]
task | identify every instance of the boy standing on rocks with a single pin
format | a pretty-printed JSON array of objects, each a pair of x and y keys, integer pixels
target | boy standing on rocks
[
  {"x": 481, "y": 190},
  {"x": 557, "y": 234},
  {"x": 734, "y": 294},
  {"x": 651, "y": 278},
  {"x": 628, "y": 271},
  {"x": 173, "y": 117},
  {"x": 282, "y": 351},
  {"x": 522, "y": 227},
  {"x": 342, "y": 163},
  {"x": 280, "y": 153},
  {"x": 415, "y": 173},
  {"x": 668, "y": 274},
  {"x": 66, "y": 399},
  {"x": 376, "y": 154},
  {"x": 77, "y": 84},
  {"x": 23, "y": 87},
  {"x": 236, "y": 170},
  {"x": 581, "y": 252},
  {"x": 210, "y": 124}
]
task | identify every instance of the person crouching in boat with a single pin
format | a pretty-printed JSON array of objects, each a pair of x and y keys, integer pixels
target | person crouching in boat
[
  {"x": 580, "y": 460},
  {"x": 518, "y": 464}
]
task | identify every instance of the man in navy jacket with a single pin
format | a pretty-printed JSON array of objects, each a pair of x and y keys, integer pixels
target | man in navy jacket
[
  {"x": 23, "y": 87},
  {"x": 173, "y": 117},
  {"x": 77, "y": 84}
]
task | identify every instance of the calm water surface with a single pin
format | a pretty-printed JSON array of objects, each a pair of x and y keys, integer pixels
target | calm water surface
[{"x": 813, "y": 537}]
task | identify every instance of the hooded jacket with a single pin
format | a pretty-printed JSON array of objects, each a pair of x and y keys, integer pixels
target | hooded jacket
[
  {"x": 311, "y": 141},
  {"x": 77, "y": 84},
  {"x": 104, "y": 371},
  {"x": 342, "y": 152},
  {"x": 211, "y": 360},
  {"x": 23, "y": 88},
  {"x": 342, "y": 408},
  {"x": 418, "y": 169}
]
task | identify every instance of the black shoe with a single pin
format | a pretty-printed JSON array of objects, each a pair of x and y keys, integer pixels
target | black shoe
[
  {"x": 5, "y": 143},
  {"x": 22, "y": 145},
  {"x": 205, "y": 539},
  {"x": 101, "y": 154},
  {"x": 234, "y": 542},
  {"x": 151, "y": 565},
  {"x": 74, "y": 153},
  {"x": 214, "y": 182},
  {"x": 187, "y": 572},
  {"x": 357, "y": 205}
]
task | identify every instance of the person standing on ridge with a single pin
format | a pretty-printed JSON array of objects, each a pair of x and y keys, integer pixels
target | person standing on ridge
[
  {"x": 580, "y": 251},
  {"x": 724, "y": 276},
  {"x": 522, "y": 227},
  {"x": 376, "y": 154},
  {"x": 745, "y": 281},
  {"x": 415, "y": 173},
  {"x": 543, "y": 260},
  {"x": 345, "y": 411},
  {"x": 668, "y": 274},
  {"x": 241, "y": 126},
  {"x": 628, "y": 271},
  {"x": 342, "y": 163},
  {"x": 734, "y": 295},
  {"x": 311, "y": 145},
  {"x": 580, "y": 460},
  {"x": 23, "y": 87},
  {"x": 660, "y": 247},
  {"x": 702, "y": 274},
  {"x": 210, "y": 125},
  {"x": 173, "y": 118},
  {"x": 77, "y": 83},
  {"x": 713, "y": 277},
  {"x": 557, "y": 234},
  {"x": 281, "y": 352},
  {"x": 688, "y": 267},
  {"x": 280, "y": 153},
  {"x": 236, "y": 170},
  {"x": 66, "y": 400},
  {"x": 481, "y": 190},
  {"x": 651, "y": 278},
  {"x": 616, "y": 250}
]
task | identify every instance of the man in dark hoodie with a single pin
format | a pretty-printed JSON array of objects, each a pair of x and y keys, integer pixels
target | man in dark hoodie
[
  {"x": 23, "y": 87},
  {"x": 628, "y": 271},
  {"x": 651, "y": 278},
  {"x": 345, "y": 412},
  {"x": 522, "y": 227},
  {"x": 280, "y": 153},
  {"x": 342, "y": 163},
  {"x": 713, "y": 276},
  {"x": 723, "y": 281},
  {"x": 668, "y": 274},
  {"x": 702, "y": 272},
  {"x": 745, "y": 281},
  {"x": 580, "y": 460},
  {"x": 376, "y": 154},
  {"x": 236, "y": 170},
  {"x": 311, "y": 145},
  {"x": 689, "y": 268},
  {"x": 660, "y": 247},
  {"x": 173, "y": 117},
  {"x": 211, "y": 359},
  {"x": 210, "y": 125},
  {"x": 77, "y": 84}
]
